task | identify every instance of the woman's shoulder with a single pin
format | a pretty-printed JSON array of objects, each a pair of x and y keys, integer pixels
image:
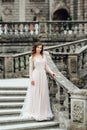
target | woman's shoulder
[{"x": 44, "y": 55}]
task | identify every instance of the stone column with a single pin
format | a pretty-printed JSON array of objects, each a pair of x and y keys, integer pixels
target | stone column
[
  {"x": 22, "y": 10},
  {"x": 79, "y": 110}
]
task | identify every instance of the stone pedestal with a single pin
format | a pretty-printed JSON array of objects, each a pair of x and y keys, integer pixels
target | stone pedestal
[
  {"x": 72, "y": 66},
  {"x": 79, "y": 110}
]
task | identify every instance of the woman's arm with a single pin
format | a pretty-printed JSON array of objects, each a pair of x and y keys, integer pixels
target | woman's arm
[
  {"x": 31, "y": 67},
  {"x": 48, "y": 69}
]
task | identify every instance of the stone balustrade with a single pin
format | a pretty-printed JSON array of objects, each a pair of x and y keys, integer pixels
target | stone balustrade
[{"x": 49, "y": 29}]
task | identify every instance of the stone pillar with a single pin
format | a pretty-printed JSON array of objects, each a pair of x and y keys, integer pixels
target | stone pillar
[
  {"x": 0, "y": 8},
  {"x": 22, "y": 10},
  {"x": 85, "y": 14},
  {"x": 79, "y": 110},
  {"x": 72, "y": 66},
  {"x": 71, "y": 8},
  {"x": 80, "y": 10},
  {"x": 8, "y": 67}
]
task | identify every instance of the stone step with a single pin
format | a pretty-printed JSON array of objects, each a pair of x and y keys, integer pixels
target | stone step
[
  {"x": 10, "y": 112},
  {"x": 17, "y": 88},
  {"x": 12, "y": 93},
  {"x": 12, "y": 98},
  {"x": 11, "y": 105},
  {"x": 13, "y": 120},
  {"x": 28, "y": 126}
]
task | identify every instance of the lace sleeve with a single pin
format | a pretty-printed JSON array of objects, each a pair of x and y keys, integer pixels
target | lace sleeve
[{"x": 31, "y": 65}]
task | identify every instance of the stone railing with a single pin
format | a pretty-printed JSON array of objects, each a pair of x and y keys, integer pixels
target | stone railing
[
  {"x": 52, "y": 30},
  {"x": 71, "y": 57},
  {"x": 69, "y": 47}
]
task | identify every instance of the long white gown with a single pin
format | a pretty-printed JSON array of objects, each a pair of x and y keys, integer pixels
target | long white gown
[{"x": 37, "y": 103}]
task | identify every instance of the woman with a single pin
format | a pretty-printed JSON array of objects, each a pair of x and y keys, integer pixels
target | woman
[{"x": 37, "y": 103}]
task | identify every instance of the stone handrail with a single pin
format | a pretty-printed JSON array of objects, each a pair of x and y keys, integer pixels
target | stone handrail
[{"x": 68, "y": 47}]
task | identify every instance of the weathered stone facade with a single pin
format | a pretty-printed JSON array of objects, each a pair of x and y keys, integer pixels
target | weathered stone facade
[{"x": 26, "y": 10}]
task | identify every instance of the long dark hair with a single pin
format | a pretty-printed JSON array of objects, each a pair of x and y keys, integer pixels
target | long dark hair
[{"x": 34, "y": 49}]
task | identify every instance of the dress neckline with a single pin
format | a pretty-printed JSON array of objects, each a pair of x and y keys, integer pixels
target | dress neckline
[{"x": 38, "y": 57}]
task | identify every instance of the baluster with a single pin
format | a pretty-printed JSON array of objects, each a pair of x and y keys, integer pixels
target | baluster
[
  {"x": 21, "y": 28},
  {"x": 1, "y": 29},
  {"x": 16, "y": 29},
  {"x": 70, "y": 27},
  {"x": 19, "y": 63},
  {"x": 62, "y": 29},
  {"x": 13, "y": 29},
  {"x": 31, "y": 29},
  {"x": 64, "y": 26},
  {"x": 26, "y": 28},
  {"x": 60, "y": 49},
  {"x": 10, "y": 29},
  {"x": 14, "y": 61},
  {"x": 69, "y": 105},
  {"x": 24, "y": 62},
  {"x": 78, "y": 28},
  {"x": 67, "y": 28},
  {"x": 65, "y": 49},
  {"x": 36, "y": 28},
  {"x": 5, "y": 29},
  {"x": 75, "y": 29},
  {"x": 83, "y": 30}
]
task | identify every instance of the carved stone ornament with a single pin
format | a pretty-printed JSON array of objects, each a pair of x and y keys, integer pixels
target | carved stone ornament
[
  {"x": 7, "y": 11},
  {"x": 78, "y": 111}
]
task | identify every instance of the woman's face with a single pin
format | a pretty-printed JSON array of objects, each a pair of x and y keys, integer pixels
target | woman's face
[{"x": 39, "y": 49}]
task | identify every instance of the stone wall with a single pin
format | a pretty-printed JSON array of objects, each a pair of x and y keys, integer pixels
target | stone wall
[
  {"x": 9, "y": 10},
  {"x": 40, "y": 7},
  {"x": 23, "y": 10}
]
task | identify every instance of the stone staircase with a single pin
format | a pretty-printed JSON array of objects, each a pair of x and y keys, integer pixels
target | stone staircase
[{"x": 11, "y": 101}]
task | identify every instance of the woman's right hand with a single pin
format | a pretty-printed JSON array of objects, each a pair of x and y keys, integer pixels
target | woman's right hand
[{"x": 32, "y": 83}]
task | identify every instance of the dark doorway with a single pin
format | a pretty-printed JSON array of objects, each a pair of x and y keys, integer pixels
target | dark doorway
[{"x": 60, "y": 14}]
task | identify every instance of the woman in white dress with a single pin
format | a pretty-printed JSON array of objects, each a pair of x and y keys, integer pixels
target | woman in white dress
[{"x": 37, "y": 102}]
